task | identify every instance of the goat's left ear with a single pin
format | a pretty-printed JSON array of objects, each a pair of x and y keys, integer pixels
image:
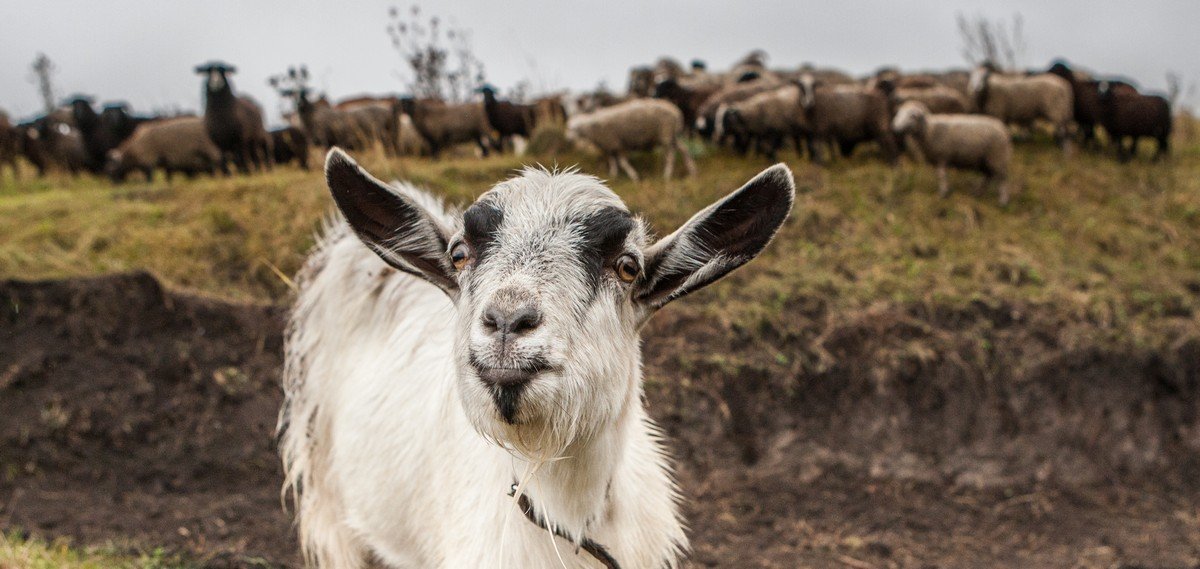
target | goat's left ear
[
  {"x": 718, "y": 239},
  {"x": 396, "y": 227}
]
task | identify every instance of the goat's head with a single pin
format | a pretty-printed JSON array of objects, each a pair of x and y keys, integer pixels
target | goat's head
[{"x": 552, "y": 278}]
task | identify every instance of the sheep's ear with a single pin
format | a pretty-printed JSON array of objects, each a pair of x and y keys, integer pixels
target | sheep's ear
[
  {"x": 392, "y": 225},
  {"x": 718, "y": 239}
]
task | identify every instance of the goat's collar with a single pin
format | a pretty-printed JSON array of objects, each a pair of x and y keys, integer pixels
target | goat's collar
[{"x": 594, "y": 549}]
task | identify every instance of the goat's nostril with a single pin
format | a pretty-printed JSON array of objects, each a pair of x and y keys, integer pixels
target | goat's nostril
[{"x": 518, "y": 321}]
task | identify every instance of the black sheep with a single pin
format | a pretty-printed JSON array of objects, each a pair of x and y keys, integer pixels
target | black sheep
[
  {"x": 507, "y": 118},
  {"x": 1086, "y": 94},
  {"x": 101, "y": 132},
  {"x": 1132, "y": 115},
  {"x": 234, "y": 124},
  {"x": 290, "y": 144}
]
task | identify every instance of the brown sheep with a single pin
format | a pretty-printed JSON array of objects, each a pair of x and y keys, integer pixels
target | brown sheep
[
  {"x": 1022, "y": 100},
  {"x": 174, "y": 145},
  {"x": 443, "y": 124},
  {"x": 640, "y": 124},
  {"x": 846, "y": 115}
]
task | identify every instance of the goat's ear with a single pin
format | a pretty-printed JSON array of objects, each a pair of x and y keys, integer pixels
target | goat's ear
[
  {"x": 392, "y": 225},
  {"x": 718, "y": 239}
]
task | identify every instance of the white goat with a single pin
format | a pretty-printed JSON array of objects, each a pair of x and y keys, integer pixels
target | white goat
[{"x": 457, "y": 354}]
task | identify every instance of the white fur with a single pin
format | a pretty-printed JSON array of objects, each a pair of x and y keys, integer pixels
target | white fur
[{"x": 387, "y": 433}]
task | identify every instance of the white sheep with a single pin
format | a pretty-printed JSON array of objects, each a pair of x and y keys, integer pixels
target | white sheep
[
  {"x": 970, "y": 142},
  {"x": 435, "y": 358},
  {"x": 1022, "y": 100},
  {"x": 640, "y": 124}
]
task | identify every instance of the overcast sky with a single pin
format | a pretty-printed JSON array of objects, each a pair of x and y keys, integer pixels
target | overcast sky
[{"x": 143, "y": 51}]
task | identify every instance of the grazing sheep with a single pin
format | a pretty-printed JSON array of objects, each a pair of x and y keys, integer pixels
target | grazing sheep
[
  {"x": 1133, "y": 115},
  {"x": 443, "y": 125},
  {"x": 1086, "y": 98},
  {"x": 969, "y": 142},
  {"x": 53, "y": 141},
  {"x": 640, "y": 124},
  {"x": 10, "y": 145},
  {"x": 846, "y": 115},
  {"x": 766, "y": 118},
  {"x": 465, "y": 389},
  {"x": 290, "y": 144},
  {"x": 706, "y": 113},
  {"x": 1022, "y": 100},
  {"x": 939, "y": 99},
  {"x": 235, "y": 124},
  {"x": 508, "y": 119},
  {"x": 178, "y": 145},
  {"x": 687, "y": 95}
]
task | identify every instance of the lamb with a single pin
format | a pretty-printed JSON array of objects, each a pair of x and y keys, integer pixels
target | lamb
[
  {"x": 972, "y": 142},
  {"x": 175, "y": 145},
  {"x": 465, "y": 389},
  {"x": 234, "y": 124},
  {"x": 289, "y": 144},
  {"x": 768, "y": 118},
  {"x": 1021, "y": 100},
  {"x": 846, "y": 115},
  {"x": 640, "y": 124},
  {"x": 442, "y": 124},
  {"x": 10, "y": 145},
  {"x": 1134, "y": 116}
]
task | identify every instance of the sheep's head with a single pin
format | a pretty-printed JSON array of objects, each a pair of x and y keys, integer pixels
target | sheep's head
[
  {"x": 910, "y": 118},
  {"x": 552, "y": 277},
  {"x": 216, "y": 75},
  {"x": 977, "y": 84},
  {"x": 808, "y": 90}
]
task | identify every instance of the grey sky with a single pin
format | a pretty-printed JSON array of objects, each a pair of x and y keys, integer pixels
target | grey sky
[{"x": 142, "y": 51}]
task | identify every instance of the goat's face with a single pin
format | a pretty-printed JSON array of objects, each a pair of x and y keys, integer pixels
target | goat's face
[{"x": 552, "y": 277}]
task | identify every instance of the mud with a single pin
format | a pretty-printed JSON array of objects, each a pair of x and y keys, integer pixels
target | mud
[{"x": 899, "y": 436}]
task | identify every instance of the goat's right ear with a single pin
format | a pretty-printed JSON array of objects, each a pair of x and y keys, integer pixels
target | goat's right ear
[{"x": 392, "y": 225}]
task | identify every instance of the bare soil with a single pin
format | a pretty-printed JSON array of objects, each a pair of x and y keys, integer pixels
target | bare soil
[{"x": 899, "y": 436}]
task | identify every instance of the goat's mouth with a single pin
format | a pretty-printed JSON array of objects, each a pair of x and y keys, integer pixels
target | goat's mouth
[{"x": 506, "y": 383}]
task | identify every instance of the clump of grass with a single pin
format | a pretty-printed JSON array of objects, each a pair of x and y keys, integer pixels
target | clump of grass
[{"x": 17, "y": 552}]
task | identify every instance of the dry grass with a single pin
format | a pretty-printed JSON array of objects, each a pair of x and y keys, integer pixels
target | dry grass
[
  {"x": 18, "y": 553},
  {"x": 1108, "y": 241}
]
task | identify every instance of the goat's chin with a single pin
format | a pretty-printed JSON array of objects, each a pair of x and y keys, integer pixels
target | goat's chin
[{"x": 531, "y": 433}]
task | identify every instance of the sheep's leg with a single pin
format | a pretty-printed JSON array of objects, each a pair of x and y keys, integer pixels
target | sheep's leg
[
  {"x": 669, "y": 167},
  {"x": 688, "y": 163},
  {"x": 1164, "y": 147},
  {"x": 1002, "y": 187},
  {"x": 612, "y": 167},
  {"x": 1063, "y": 134},
  {"x": 943, "y": 181},
  {"x": 627, "y": 167}
]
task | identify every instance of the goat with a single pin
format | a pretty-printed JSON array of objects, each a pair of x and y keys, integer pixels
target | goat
[
  {"x": 436, "y": 359},
  {"x": 235, "y": 124}
]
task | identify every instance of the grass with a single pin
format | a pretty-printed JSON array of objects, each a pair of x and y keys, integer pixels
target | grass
[{"x": 32, "y": 553}]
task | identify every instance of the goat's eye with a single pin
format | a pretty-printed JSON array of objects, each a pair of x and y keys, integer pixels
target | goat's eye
[
  {"x": 627, "y": 268},
  {"x": 460, "y": 255}
]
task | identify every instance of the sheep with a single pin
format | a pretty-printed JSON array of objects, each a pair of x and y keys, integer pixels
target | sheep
[
  {"x": 1086, "y": 98},
  {"x": 1021, "y": 100},
  {"x": 706, "y": 113},
  {"x": 768, "y": 118},
  {"x": 971, "y": 142},
  {"x": 1135, "y": 115},
  {"x": 53, "y": 141},
  {"x": 687, "y": 95},
  {"x": 448, "y": 374},
  {"x": 846, "y": 115},
  {"x": 939, "y": 99},
  {"x": 289, "y": 144},
  {"x": 10, "y": 145},
  {"x": 640, "y": 124},
  {"x": 443, "y": 124},
  {"x": 356, "y": 124},
  {"x": 234, "y": 124},
  {"x": 506, "y": 118},
  {"x": 174, "y": 145},
  {"x": 102, "y": 131}
]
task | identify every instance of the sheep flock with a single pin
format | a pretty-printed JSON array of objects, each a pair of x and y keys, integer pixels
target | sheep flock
[{"x": 751, "y": 109}]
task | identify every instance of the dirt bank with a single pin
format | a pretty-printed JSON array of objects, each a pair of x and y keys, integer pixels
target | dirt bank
[{"x": 908, "y": 436}]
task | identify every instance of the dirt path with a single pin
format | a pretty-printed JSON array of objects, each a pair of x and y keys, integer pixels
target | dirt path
[{"x": 877, "y": 440}]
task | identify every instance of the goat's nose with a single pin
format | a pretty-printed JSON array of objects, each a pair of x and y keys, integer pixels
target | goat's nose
[{"x": 516, "y": 321}]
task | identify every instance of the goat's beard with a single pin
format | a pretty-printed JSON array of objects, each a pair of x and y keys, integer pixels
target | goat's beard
[{"x": 543, "y": 427}]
